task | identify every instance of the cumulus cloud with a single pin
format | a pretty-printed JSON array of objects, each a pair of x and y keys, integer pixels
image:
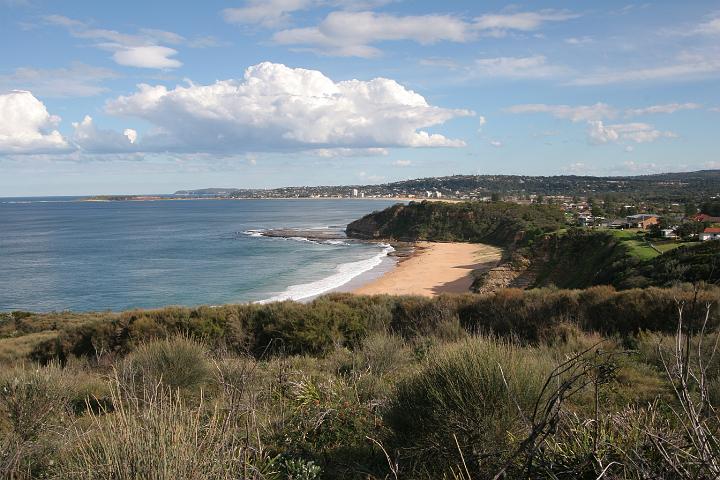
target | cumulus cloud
[
  {"x": 535, "y": 66},
  {"x": 599, "y": 133},
  {"x": 402, "y": 163},
  {"x": 665, "y": 108},
  {"x": 91, "y": 139},
  {"x": 26, "y": 126},
  {"x": 579, "y": 113},
  {"x": 276, "y": 108},
  {"x": 496, "y": 143},
  {"x": 344, "y": 33},
  {"x": 78, "y": 80}
]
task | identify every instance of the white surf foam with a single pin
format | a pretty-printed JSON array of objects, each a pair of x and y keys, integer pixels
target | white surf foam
[
  {"x": 343, "y": 274},
  {"x": 253, "y": 233},
  {"x": 335, "y": 242}
]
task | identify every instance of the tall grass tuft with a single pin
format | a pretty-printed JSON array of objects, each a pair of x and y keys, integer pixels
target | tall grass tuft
[
  {"x": 35, "y": 403},
  {"x": 179, "y": 363},
  {"x": 474, "y": 392},
  {"x": 157, "y": 436}
]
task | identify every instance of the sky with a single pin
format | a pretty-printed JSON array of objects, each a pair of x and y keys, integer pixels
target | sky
[{"x": 152, "y": 97}]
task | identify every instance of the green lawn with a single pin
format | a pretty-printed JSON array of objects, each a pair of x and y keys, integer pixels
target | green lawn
[
  {"x": 635, "y": 243},
  {"x": 665, "y": 246}
]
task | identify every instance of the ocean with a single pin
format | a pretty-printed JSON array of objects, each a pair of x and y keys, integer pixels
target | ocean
[{"x": 58, "y": 253}]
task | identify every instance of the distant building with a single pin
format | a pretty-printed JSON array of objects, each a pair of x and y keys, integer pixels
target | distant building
[
  {"x": 587, "y": 220},
  {"x": 362, "y": 194},
  {"x": 668, "y": 233},
  {"x": 355, "y": 192},
  {"x": 643, "y": 221},
  {"x": 710, "y": 234},
  {"x": 438, "y": 194}
]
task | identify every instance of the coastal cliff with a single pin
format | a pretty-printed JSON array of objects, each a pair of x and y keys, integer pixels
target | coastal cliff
[{"x": 499, "y": 223}]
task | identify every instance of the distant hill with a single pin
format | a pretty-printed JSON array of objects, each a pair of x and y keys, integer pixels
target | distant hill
[{"x": 684, "y": 185}]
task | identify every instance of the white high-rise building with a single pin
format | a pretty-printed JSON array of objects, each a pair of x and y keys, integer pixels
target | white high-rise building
[{"x": 355, "y": 192}]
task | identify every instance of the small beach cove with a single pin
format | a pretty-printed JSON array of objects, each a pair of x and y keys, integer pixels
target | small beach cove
[{"x": 433, "y": 269}]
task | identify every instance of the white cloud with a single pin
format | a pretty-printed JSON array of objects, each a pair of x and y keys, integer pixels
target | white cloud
[
  {"x": 350, "y": 33},
  {"x": 710, "y": 27},
  {"x": 145, "y": 49},
  {"x": 440, "y": 62},
  {"x": 268, "y": 13},
  {"x": 599, "y": 133},
  {"x": 91, "y": 139},
  {"x": 148, "y": 56},
  {"x": 499, "y": 24},
  {"x": 79, "y": 80},
  {"x": 535, "y": 66},
  {"x": 584, "y": 40},
  {"x": 348, "y": 152},
  {"x": 481, "y": 123},
  {"x": 579, "y": 113},
  {"x": 496, "y": 143},
  {"x": 344, "y": 33},
  {"x": 665, "y": 108},
  {"x": 275, "y": 107},
  {"x": 402, "y": 163},
  {"x": 685, "y": 66},
  {"x": 26, "y": 126}
]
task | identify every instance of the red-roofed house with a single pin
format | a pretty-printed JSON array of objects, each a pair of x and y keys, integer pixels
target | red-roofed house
[
  {"x": 704, "y": 217},
  {"x": 710, "y": 234}
]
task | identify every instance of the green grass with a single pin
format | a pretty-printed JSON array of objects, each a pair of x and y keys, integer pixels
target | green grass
[
  {"x": 665, "y": 246},
  {"x": 637, "y": 246}
]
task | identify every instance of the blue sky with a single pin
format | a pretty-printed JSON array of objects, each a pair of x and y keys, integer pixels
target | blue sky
[{"x": 151, "y": 97}]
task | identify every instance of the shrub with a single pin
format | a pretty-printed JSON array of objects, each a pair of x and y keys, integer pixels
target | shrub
[
  {"x": 179, "y": 363},
  {"x": 381, "y": 353},
  {"x": 329, "y": 424},
  {"x": 34, "y": 408},
  {"x": 33, "y": 400},
  {"x": 461, "y": 394}
]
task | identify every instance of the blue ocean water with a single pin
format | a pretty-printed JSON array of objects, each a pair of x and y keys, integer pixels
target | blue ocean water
[{"x": 63, "y": 254}]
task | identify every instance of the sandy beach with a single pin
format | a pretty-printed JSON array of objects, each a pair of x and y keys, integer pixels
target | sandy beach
[{"x": 435, "y": 268}]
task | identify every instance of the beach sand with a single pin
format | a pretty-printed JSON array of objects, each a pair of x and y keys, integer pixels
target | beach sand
[{"x": 435, "y": 268}]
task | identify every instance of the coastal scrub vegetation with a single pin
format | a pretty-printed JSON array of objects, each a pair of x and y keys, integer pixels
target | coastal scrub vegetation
[
  {"x": 496, "y": 223},
  {"x": 543, "y": 383}
]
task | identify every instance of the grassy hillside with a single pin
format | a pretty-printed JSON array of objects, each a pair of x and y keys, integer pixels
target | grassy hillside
[
  {"x": 537, "y": 384},
  {"x": 498, "y": 223},
  {"x": 583, "y": 258}
]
